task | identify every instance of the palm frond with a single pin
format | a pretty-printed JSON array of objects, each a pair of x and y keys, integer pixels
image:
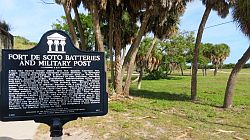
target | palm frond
[{"x": 241, "y": 14}]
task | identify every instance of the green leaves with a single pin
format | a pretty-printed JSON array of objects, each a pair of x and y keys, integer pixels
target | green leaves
[
  {"x": 241, "y": 14},
  {"x": 86, "y": 22},
  {"x": 178, "y": 49},
  {"x": 5, "y": 26},
  {"x": 215, "y": 53}
]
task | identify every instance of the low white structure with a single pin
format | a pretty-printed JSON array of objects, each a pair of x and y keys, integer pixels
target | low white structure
[{"x": 6, "y": 42}]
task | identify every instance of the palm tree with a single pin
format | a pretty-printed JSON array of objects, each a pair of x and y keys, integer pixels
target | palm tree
[
  {"x": 94, "y": 8},
  {"x": 117, "y": 30},
  {"x": 219, "y": 53},
  {"x": 162, "y": 19},
  {"x": 155, "y": 57},
  {"x": 222, "y": 8},
  {"x": 225, "y": 51},
  {"x": 110, "y": 41},
  {"x": 241, "y": 14},
  {"x": 144, "y": 56},
  {"x": 131, "y": 55},
  {"x": 159, "y": 16},
  {"x": 67, "y": 9}
]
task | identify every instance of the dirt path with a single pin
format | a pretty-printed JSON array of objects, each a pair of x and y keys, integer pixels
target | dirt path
[
  {"x": 20, "y": 130},
  {"x": 69, "y": 134}
]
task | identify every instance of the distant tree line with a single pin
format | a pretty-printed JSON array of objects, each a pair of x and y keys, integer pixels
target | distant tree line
[{"x": 225, "y": 66}]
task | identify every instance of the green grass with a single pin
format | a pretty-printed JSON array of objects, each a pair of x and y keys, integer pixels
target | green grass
[{"x": 162, "y": 110}]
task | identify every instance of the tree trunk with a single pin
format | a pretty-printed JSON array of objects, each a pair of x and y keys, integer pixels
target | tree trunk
[
  {"x": 220, "y": 66},
  {"x": 205, "y": 70},
  {"x": 137, "y": 78},
  {"x": 83, "y": 45},
  {"x": 181, "y": 70},
  {"x": 215, "y": 69},
  {"x": 231, "y": 80},
  {"x": 191, "y": 70},
  {"x": 111, "y": 40},
  {"x": 118, "y": 48},
  {"x": 123, "y": 53},
  {"x": 98, "y": 34},
  {"x": 140, "y": 78},
  {"x": 118, "y": 67},
  {"x": 196, "y": 53},
  {"x": 71, "y": 26},
  {"x": 97, "y": 28},
  {"x": 134, "y": 49},
  {"x": 125, "y": 61},
  {"x": 96, "y": 46},
  {"x": 144, "y": 62}
]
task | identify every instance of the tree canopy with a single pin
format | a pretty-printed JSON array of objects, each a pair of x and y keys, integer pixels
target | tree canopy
[{"x": 4, "y": 25}]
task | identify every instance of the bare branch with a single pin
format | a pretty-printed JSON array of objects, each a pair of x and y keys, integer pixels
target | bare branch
[{"x": 45, "y": 2}]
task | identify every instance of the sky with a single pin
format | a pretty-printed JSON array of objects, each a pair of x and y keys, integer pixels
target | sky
[{"x": 31, "y": 19}]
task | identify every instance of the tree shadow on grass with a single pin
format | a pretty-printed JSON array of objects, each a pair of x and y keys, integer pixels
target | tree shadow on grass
[
  {"x": 212, "y": 122},
  {"x": 159, "y": 95},
  {"x": 174, "y": 78},
  {"x": 165, "y": 78},
  {"x": 199, "y": 102},
  {"x": 184, "y": 75}
]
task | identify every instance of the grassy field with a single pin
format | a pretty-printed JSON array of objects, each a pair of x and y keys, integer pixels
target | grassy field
[{"x": 162, "y": 110}]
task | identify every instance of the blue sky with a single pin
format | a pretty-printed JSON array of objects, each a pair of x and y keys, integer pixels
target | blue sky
[{"x": 31, "y": 19}]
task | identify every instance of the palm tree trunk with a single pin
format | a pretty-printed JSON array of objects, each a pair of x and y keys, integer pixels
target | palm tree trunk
[
  {"x": 170, "y": 68},
  {"x": 205, "y": 70},
  {"x": 70, "y": 24},
  {"x": 96, "y": 48},
  {"x": 140, "y": 78},
  {"x": 111, "y": 40},
  {"x": 196, "y": 53},
  {"x": 215, "y": 69},
  {"x": 123, "y": 53},
  {"x": 134, "y": 49},
  {"x": 126, "y": 60},
  {"x": 118, "y": 66},
  {"x": 118, "y": 47},
  {"x": 144, "y": 62},
  {"x": 97, "y": 28},
  {"x": 98, "y": 34},
  {"x": 221, "y": 65},
  {"x": 191, "y": 69},
  {"x": 81, "y": 30},
  {"x": 181, "y": 70},
  {"x": 231, "y": 80}
]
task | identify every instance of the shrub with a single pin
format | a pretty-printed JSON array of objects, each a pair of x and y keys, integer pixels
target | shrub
[{"x": 156, "y": 75}]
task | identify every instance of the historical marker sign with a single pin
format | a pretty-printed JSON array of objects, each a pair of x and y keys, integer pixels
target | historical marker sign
[{"x": 53, "y": 79}]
